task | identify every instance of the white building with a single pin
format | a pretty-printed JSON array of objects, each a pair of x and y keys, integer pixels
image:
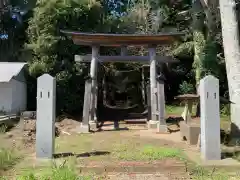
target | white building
[{"x": 13, "y": 88}]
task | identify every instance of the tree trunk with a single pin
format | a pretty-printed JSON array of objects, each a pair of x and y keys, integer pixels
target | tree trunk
[
  {"x": 199, "y": 42},
  {"x": 230, "y": 33}
]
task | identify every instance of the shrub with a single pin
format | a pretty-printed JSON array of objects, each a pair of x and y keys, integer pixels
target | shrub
[{"x": 186, "y": 88}]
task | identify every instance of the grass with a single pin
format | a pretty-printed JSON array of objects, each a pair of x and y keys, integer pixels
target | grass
[
  {"x": 119, "y": 146},
  {"x": 129, "y": 149},
  {"x": 67, "y": 171},
  {"x": 8, "y": 159},
  {"x": 3, "y": 128},
  {"x": 176, "y": 110},
  {"x": 200, "y": 173},
  {"x": 159, "y": 153},
  {"x": 148, "y": 153},
  {"x": 64, "y": 171}
]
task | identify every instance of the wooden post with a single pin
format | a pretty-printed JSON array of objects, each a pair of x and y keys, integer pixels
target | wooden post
[
  {"x": 123, "y": 50},
  {"x": 153, "y": 88},
  {"x": 143, "y": 86},
  {"x": 84, "y": 127},
  {"x": 93, "y": 74},
  {"x": 149, "y": 101},
  {"x": 162, "y": 126},
  {"x": 96, "y": 102}
]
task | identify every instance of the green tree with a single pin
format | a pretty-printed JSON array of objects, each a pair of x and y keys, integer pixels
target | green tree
[{"x": 53, "y": 53}]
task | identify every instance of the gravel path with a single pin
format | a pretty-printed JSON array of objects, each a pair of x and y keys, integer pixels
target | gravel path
[
  {"x": 141, "y": 176},
  {"x": 125, "y": 176}
]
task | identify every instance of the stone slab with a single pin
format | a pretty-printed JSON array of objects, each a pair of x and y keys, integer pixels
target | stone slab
[{"x": 190, "y": 131}]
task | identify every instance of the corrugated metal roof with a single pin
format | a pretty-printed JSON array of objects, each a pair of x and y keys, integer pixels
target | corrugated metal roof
[{"x": 10, "y": 69}]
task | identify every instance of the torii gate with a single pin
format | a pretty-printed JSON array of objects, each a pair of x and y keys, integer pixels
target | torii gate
[{"x": 123, "y": 40}]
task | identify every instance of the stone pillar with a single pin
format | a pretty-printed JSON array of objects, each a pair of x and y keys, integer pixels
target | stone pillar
[
  {"x": 153, "y": 88},
  {"x": 84, "y": 127},
  {"x": 162, "y": 126},
  {"x": 93, "y": 75},
  {"x": 210, "y": 118},
  {"x": 45, "y": 125}
]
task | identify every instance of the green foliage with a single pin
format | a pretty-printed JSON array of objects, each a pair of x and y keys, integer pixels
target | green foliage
[
  {"x": 184, "y": 49},
  {"x": 225, "y": 110},
  {"x": 199, "y": 44},
  {"x": 154, "y": 153},
  {"x": 53, "y": 53},
  {"x": 210, "y": 63},
  {"x": 186, "y": 88},
  {"x": 150, "y": 17},
  {"x": 148, "y": 153}
]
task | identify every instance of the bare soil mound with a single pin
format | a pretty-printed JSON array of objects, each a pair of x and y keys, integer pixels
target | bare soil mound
[{"x": 25, "y": 130}]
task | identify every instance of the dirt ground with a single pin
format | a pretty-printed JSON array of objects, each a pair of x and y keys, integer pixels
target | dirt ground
[{"x": 94, "y": 151}]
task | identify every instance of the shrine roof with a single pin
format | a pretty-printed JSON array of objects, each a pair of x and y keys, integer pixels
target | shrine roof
[{"x": 81, "y": 38}]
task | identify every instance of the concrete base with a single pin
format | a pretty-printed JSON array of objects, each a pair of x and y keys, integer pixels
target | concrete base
[
  {"x": 84, "y": 129},
  {"x": 153, "y": 124},
  {"x": 190, "y": 132},
  {"x": 93, "y": 125},
  {"x": 162, "y": 128}
]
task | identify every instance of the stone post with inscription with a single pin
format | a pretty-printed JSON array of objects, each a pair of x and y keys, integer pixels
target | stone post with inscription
[
  {"x": 210, "y": 118},
  {"x": 45, "y": 125}
]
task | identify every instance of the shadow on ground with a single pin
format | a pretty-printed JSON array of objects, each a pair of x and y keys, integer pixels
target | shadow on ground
[
  {"x": 107, "y": 114},
  {"x": 87, "y": 154},
  {"x": 234, "y": 154},
  {"x": 118, "y": 129},
  {"x": 174, "y": 120}
]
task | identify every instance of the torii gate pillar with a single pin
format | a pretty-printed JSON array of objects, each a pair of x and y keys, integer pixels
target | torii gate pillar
[
  {"x": 94, "y": 90},
  {"x": 152, "y": 124}
]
